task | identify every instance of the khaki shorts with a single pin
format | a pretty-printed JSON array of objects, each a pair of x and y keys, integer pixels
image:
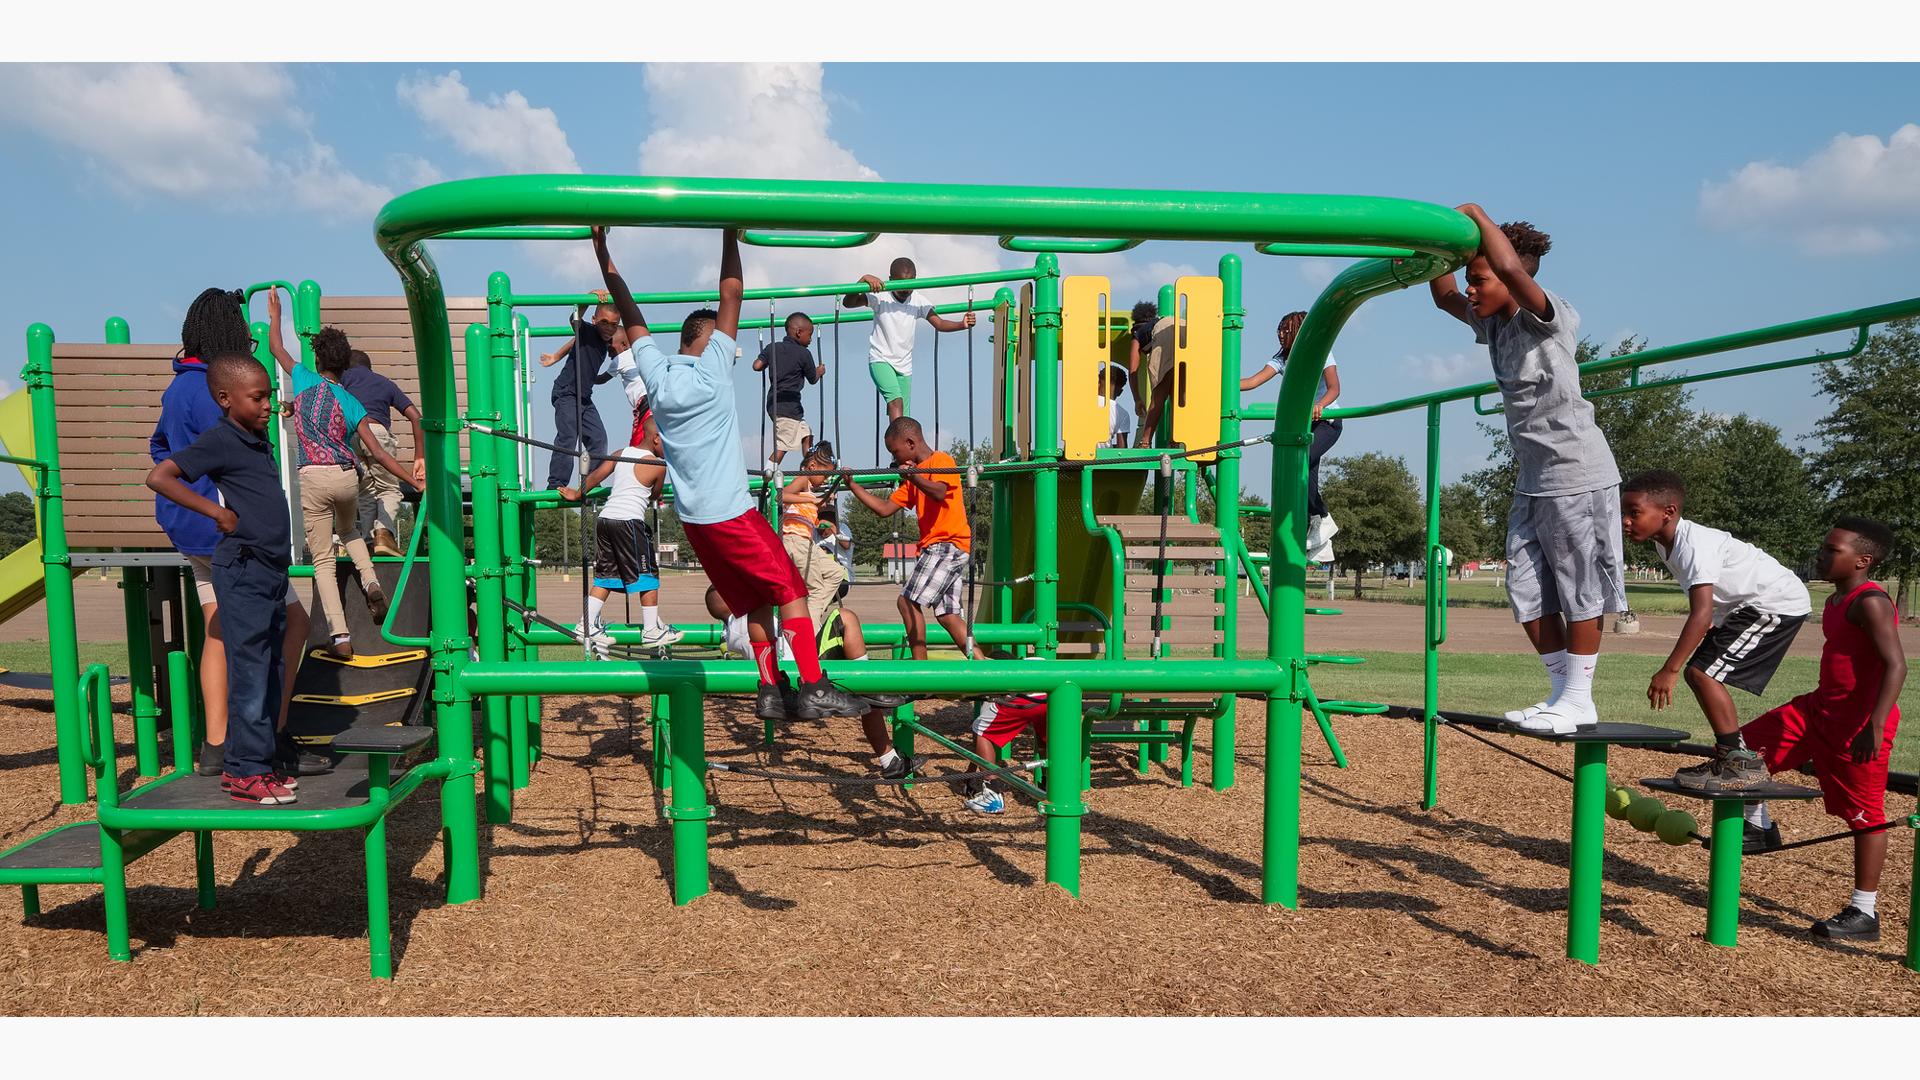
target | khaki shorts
[
  {"x": 822, "y": 573},
  {"x": 789, "y": 433},
  {"x": 203, "y": 580}
]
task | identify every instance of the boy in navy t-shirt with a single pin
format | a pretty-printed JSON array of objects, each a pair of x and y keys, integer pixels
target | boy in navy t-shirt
[{"x": 249, "y": 565}]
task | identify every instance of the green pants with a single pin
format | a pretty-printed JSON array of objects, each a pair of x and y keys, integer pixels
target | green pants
[{"x": 892, "y": 385}]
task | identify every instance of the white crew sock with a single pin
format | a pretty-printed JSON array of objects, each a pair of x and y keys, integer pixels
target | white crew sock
[
  {"x": 1556, "y": 664},
  {"x": 888, "y": 758},
  {"x": 650, "y": 616},
  {"x": 1757, "y": 815},
  {"x": 1865, "y": 900},
  {"x": 594, "y": 606},
  {"x": 1576, "y": 693}
]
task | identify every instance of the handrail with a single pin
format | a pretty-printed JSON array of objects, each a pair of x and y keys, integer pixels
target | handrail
[
  {"x": 1857, "y": 319},
  {"x": 783, "y": 292},
  {"x": 842, "y": 315},
  {"x": 1337, "y": 251},
  {"x": 1116, "y": 554},
  {"x": 759, "y": 238},
  {"x": 1066, "y": 245},
  {"x": 522, "y": 232}
]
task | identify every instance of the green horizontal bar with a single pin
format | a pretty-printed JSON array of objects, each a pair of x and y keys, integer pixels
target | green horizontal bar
[
  {"x": 1353, "y": 708},
  {"x": 1332, "y": 658},
  {"x": 30, "y": 463},
  {"x": 522, "y": 232},
  {"x": 765, "y": 322},
  {"x": 1325, "y": 611},
  {"x": 275, "y": 819},
  {"x": 1337, "y": 251},
  {"x": 875, "y": 633},
  {"x": 1066, "y": 245},
  {"x": 807, "y": 240},
  {"x": 52, "y": 875},
  {"x": 781, "y": 292},
  {"x": 898, "y": 676}
]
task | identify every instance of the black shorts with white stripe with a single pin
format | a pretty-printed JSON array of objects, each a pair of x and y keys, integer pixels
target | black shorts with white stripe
[{"x": 1745, "y": 650}]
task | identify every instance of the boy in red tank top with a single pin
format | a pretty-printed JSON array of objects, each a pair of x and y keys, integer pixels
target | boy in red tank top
[{"x": 1845, "y": 727}]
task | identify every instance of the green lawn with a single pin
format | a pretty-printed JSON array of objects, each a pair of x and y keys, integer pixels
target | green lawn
[
  {"x": 1485, "y": 590},
  {"x": 1490, "y": 684}
]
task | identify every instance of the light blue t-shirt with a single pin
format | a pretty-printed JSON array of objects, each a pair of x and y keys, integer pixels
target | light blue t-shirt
[{"x": 692, "y": 401}]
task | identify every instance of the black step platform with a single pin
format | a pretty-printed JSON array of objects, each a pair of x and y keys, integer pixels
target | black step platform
[
  {"x": 345, "y": 786},
  {"x": 1604, "y": 733},
  {"x": 381, "y": 740},
  {"x": 75, "y": 847},
  {"x": 315, "y": 725},
  {"x": 1666, "y": 786}
]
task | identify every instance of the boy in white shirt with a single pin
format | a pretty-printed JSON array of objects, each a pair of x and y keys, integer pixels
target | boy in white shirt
[
  {"x": 1744, "y": 610},
  {"x": 1119, "y": 408},
  {"x": 896, "y": 316}
]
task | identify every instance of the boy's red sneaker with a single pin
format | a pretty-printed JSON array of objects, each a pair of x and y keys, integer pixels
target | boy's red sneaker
[{"x": 258, "y": 790}]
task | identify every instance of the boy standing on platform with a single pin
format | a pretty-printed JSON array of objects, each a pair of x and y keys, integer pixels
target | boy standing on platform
[
  {"x": 896, "y": 316},
  {"x": 792, "y": 366},
  {"x": 1563, "y": 546},
  {"x": 692, "y": 400}
]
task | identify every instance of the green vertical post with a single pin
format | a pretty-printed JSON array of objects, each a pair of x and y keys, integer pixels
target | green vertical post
[
  {"x": 195, "y": 645},
  {"x": 146, "y": 707},
  {"x": 518, "y": 583},
  {"x": 203, "y": 887},
  {"x": 1589, "y": 850},
  {"x": 379, "y": 920},
  {"x": 442, "y": 517},
  {"x": 488, "y": 347},
  {"x": 1723, "y": 872},
  {"x": 1430, "y": 683},
  {"x": 29, "y": 901},
  {"x": 688, "y": 809},
  {"x": 1063, "y": 809},
  {"x": 1286, "y": 631},
  {"x": 63, "y": 645},
  {"x": 1226, "y": 506},
  {"x": 117, "y": 331},
  {"x": 659, "y": 712},
  {"x": 1046, "y": 448},
  {"x": 1913, "y": 905}
]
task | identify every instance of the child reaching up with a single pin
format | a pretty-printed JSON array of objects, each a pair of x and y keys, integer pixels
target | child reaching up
[
  {"x": 932, "y": 491},
  {"x": 691, "y": 394},
  {"x": 623, "y": 554},
  {"x": 896, "y": 316},
  {"x": 328, "y": 422},
  {"x": 800, "y": 527},
  {"x": 1563, "y": 546},
  {"x": 792, "y": 367}
]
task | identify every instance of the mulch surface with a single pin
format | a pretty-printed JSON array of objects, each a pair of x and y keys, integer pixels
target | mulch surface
[{"x": 871, "y": 901}]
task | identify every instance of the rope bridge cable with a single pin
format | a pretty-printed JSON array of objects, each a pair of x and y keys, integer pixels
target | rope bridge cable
[
  {"x": 624, "y": 652},
  {"x": 580, "y": 435},
  {"x": 1542, "y": 766},
  {"x": 870, "y": 781},
  {"x": 972, "y": 451},
  {"x": 1890, "y": 823},
  {"x": 514, "y": 436},
  {"x": 839, "y": 436},
  {"x": 992, "y": 468}
]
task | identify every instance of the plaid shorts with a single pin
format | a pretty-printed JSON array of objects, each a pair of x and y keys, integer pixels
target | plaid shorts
[{"x": 937, "y": 578}]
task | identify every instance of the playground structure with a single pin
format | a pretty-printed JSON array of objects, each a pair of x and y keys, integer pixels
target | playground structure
[{"x": 1048, "y": 417}]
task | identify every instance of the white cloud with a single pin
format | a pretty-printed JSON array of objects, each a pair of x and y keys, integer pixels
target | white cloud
[
  {"x": 506, "y": 130},
  {"x": 1318, "y": 272},
  {"x": 414, "y": 171},
  {"x": 1442, "y": 369},
  {"x": 186, "y": 131},
  {"x": 1856, "y": 195}
]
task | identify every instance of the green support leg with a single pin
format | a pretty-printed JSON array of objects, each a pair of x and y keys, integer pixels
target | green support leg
[
  {"x": 113, "y": 887},
  {"x": 1913, "y": 910},
  {"x": 1186, "y": 753},
  {"x": 1326, "y": 727},
  {"x": 1280, "y": 839},
  {"x": 146, "y": 706},
  {"x": 203, "y": 869},
  {"x": 1589, "y": 850},
  {"x": 1063, "y": 808},
  {"x": 689, "y": 810},
  {"x": 766, "y": 733},
  {"x": 662, "y": 775},
  {"x": 379, "y": 919},
  {"x": 1723, "y": 873},
  {"x": 29, "y": 900}
]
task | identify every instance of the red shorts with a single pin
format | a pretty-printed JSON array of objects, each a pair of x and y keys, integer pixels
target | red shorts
[
  {"x": 746, "y": 562},
  {"x": 1803, "y": 731},
  {"x": 1000, "y": 723}
]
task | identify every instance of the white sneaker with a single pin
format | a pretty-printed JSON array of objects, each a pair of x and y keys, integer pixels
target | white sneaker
[
  {"x": 1560, "y": 720},
  {"x": 1329, "y": 530},
  {"x": 599, "y": 642},
  {"x": 1314, "y": 524},
  {"x": 659, "y": 637},
  {"x": 1319, "y": 553}
]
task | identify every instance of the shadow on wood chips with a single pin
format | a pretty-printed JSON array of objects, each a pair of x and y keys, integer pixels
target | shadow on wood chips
[{"x": 876, "y": 901}]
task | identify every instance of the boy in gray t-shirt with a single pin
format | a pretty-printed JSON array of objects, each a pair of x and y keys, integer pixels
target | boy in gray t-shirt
[{"x": 1563, "y": 533}]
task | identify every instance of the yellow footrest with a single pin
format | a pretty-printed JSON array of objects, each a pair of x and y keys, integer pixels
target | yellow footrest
[
  {"x": 354, "y": 700},
  {"x": 375, "y": 660}
]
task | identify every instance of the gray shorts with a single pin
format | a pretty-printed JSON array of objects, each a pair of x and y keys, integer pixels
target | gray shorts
[
  {"x": 1563, "y": 555},
  {"x": 939, "y": 573}
]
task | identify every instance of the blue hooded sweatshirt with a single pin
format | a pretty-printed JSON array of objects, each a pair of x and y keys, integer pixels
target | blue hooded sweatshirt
[{"x": 186, "y": 410}]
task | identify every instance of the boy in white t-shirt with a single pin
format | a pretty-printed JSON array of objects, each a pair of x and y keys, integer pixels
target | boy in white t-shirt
[
  {"x": 1120, "y": 415},
  {"x": 1744, "y": 609},
  {"x": 896, "y": 316}
]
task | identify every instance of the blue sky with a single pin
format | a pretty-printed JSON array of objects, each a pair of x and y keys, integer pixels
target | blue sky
[{"x": 1684, "y": 200}]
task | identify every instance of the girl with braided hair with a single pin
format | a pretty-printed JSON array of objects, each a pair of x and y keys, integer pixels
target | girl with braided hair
[{"x": 1320, "y": 524}]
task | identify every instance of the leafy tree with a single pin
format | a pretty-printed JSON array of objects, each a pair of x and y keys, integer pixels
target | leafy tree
[
  {"x": 1377, "y": 503},
  {"x": 1463, "y": 524},
  {"x": 1757, "y": 488},
  {"x": 1870, "y": 441},
  {"x": 17, "y": 524}
]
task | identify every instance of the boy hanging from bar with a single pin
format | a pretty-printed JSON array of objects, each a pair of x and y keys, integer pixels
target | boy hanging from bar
[{"x": 692, "y": 398}]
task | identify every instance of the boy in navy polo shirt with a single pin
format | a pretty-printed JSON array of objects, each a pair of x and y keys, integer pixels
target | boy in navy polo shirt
[
  {"x": 249, "y": 565},
  {"x": 792, "y": 364}
]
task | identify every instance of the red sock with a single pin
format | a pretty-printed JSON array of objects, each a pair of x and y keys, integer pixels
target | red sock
[
  {"x": 763, "y": 659},
  {"x": 806, "y": 652}
]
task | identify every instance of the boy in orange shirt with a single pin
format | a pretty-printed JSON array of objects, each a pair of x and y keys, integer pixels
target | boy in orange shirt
[{"x": 932, "y": 492}]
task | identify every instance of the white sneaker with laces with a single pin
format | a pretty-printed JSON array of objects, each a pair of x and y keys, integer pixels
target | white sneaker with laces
[
  {"x": 988, "y": 801},
  {"x": 659, "y": 637},
  {"x": 599, "y": 642}
]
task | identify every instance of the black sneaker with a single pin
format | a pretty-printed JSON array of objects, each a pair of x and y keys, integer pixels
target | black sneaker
[
  {"x": 775, "y": 700},
  {"x": 1851, "y": 924},
  {"x": 1726, "y": 770},
  {"x": 290, "y": 759},
  {"x": 1754, "y": 839},
  {"x": 821, "y": 699},
  {"x": 886, "y": 702},
  {"x": 213, "y": 759},
  {"x": 897, "y": 770}
]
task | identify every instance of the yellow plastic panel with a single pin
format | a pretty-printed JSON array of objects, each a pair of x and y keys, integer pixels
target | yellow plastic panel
[
  {"x": 1086, "y": 309},
  {"x": 1198, "y": 307}
]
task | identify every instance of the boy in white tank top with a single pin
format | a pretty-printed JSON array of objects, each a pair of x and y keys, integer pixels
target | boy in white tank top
[{"x": 624, "y": 559}]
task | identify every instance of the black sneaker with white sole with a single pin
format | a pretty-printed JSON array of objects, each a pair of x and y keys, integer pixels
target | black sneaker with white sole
[
  {"x": 1851, "y": 924},
  {"x": 774, "y": 700},
  {"x": 886, "y": 701},
  {"x": 821, "y": 699},
  {"x": 1754, "y": 839}
]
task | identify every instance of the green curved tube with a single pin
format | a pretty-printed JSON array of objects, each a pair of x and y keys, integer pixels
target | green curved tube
[
  {"x": 781, "y": 292},
  {"x": 759, "y": 238},
  {"x": 1066, "y": 245},
  {"x": 1337, "y": 251}
]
